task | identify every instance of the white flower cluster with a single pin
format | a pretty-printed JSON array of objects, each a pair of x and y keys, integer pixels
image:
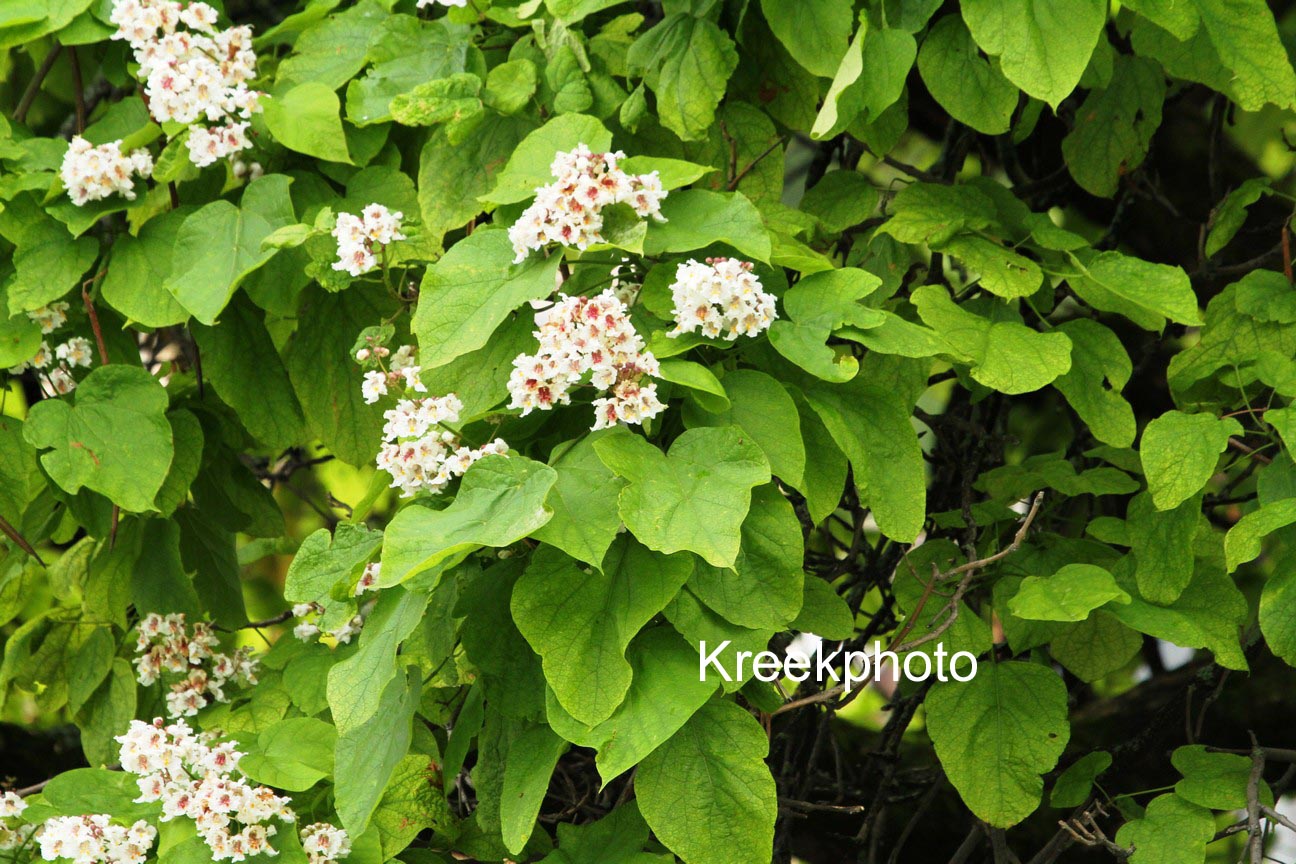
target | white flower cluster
[
  {"x": 15, "y": 834},
  {"x": 420, "y": 452},
  {"x": 358, "y": 235},
  {"x": 307, "y": 628},
  {"x": 94, "y": 839},
  {"x": 403, "y": 370},
  {"x": 195, "y": 76},
  {"x": 722, "y": 297},
  {"x": 324, "y": 843},
  {"x": 368, "y": 579},
  {"x": 91, "y": 173},
  {"x": 199, "y": 779},
  {"x": 166, "y": 645},
  {"x": 594, "y": 336},
  {"x": 569, "y": 210},
  {"x": 56, "y": 377}
]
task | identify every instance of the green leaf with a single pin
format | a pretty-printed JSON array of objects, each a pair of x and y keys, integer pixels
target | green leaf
[
  {"x": 405, "y": 52},
  {"x": 20, "y": 339},
  {"x": 441, "y": 100},
  {"x": 1243, "y": 541},
  {"x": 871, "y": 426},
  {"x": 1007, "y": 356},
  {"x": 219, "y": 245},
  {"x": 292, "y": 754},
  {"x": 580, "y": 620},
  {"x": 1278, "y": 612},
  {"x": 471, "y": 290},
  {"x": 687, "y": 62},
  {"x": 1072, "y": 787},
  {"x": 528, "y": 166},
  {"x": 410, "y": 803},
  {"x": 693, "y": 498},
  {"x": 762, "y": 407},
  {"x": 138, "y": 269},
  {"x": 817, "y": 305},
  {"x": 1115, "y": 125},
  {"x": 1229, "y": 216},
  {"x": 1140, "y": 290},
  {"x": 325, "y": 559},
  {"x": 815, "y": 32},
  {"x": 325, "y": 375},
  {"x": 843, "y": 199},
  {"x": 711, "y": 773},
  {"x": 1042, "y": 48},
  {"x": 997, "y": 268},
  {"x": 1096, "y": 647},
  {"x": 500, "y": 501},
  {"x": 763, "y": 589},
  {"x": 1162, "y": 546},
  {"x": 1216, "y": 781},
  {"x": 696, "y": 218},
  {"x": 965, "y": 84},
  {"x": 113, "y": 437},
  {"x": 1070, "y": 594},
  {"x": 333, "y": 50},
  {"x": 366, "y": 756},
  {"x": 306, "y": 119},
  {"x": 584, "y": 502},
  {"x": 1207, "y": 614},
  {"x": 869, "y": 79},
  {"x": 1179, "y": 452},
  {"x": 46, "y": 263},
  {"x": 996, "y": 734},
  {"x": 617, "y": 838},
  {"x": 107, "y": 713},
  {"x": 531, "y": 762},
  {"x": 1171, "y": 830},
  {"x": 241, "y": 363},
  {"x": 1100, "y": 369},
  {"x": 356, "y": 685},
  {"x": 696, "y": 377},
  {"x": 90, "y": 790},
  {"x": 823, "y": 612},
  {"x": 510, "y": 85},
  {"x": 933, "y": 213}
]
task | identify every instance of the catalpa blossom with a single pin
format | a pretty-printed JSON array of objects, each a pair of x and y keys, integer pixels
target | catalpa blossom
[
  {"x": 324, "y": 843},
  {"x": 569, "y": 210},
  {"x": 193, "y": 776},
  {"x": 76, "y": 352},
  {"x": 94, "y": 839},
  {"x": 587, "y": 336},
  {"x": 369, "y": 578},
  {"x": 50, "y": 317},
  {"x": 307, "y": 627},
  {"x": 16, "y": 833},
  {"x": 193, "y": 73},
  {"x": 92, "y": 173},
  {"x": 357, "y": 236},
  {"x": 722, "y": 297},
  {"x": 197, "y": 672}
]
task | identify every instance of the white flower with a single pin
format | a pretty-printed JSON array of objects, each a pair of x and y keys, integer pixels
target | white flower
[
  {"x": 369, "y": 578},
  {"x": 592, "y": 336},
  {"x": 323, "y": 843},
  {"x": 165, "y": 646},
  {"x": 75, "y": 352},
  {"x": 569, "y": 210},
  {"x": 358, "y": 235},
  {"x": 374, "y": 386},
  {"x": 92, "y": 173},
  {"x": 721, "y": 298},
  {"x": 61, "y": 381},
  {"x": 195, "y": 76},
  {"x": 94, "y": 839},
  {"x": 50, "y": 317}
]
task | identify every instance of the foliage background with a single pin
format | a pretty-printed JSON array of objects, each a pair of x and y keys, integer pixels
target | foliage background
[{"x": 1019, "y": 246}]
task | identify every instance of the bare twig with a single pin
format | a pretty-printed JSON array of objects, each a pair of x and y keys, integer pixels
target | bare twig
[
  {"x": 1255, "y": 839},
  {"x": 33, "y": 87},
  {"x": 78, "y": 89}
]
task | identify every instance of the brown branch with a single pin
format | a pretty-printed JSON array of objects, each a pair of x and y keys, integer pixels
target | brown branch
[
  {"x": 33, "y": 87},
  {"x": 78, "y": 89},
  {"x": 1250, "y": 451},
  {"x": 1255, "y": 839},
  {"x": 1273, "y": 754},
  {"x": 94, "y": 316},
  {"x": 741, "y": 175}
]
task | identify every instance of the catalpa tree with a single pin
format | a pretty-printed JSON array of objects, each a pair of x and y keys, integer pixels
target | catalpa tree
[{"x": 616, "y": 431}]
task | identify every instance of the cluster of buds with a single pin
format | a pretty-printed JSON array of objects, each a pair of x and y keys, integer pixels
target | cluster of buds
[
  {"x": 569, "y": 210},
  {"x": 168, "y": 649},
  {"x": 721, "y": 298},
  {"x": 55, "y": 365},
  {"x": 358, "y": 236},
  {"x": 14, "y": 833},
  {"x": 92, "y": 173},
  {"x": 94, "y": 839},
  {"x": 587, "y": 336},
  {"x": 193, "y": 73},
  {"x": 197, "y": 778}
]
